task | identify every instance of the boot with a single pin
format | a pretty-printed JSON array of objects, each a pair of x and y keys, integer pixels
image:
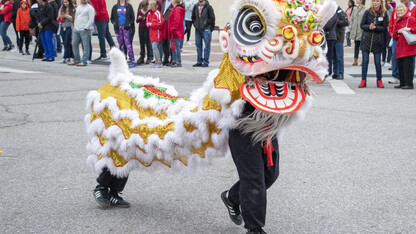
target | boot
[
  {"x": 148, "y": 60},
  {"x": 380, "y": 84},
  {"x": 140, "y": 60},
  {"x": 363, "y": 84},
  {"x": 355, "y": 62}
]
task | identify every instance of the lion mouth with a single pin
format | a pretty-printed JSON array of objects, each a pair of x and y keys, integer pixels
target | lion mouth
[{"x": 280, "y": 91}]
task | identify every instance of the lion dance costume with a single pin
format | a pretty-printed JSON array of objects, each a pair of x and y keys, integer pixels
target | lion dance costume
[{"x": 136, "y": 122}]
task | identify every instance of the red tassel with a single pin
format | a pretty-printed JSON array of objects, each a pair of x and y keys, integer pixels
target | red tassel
[{"x": 268, "y": 150}]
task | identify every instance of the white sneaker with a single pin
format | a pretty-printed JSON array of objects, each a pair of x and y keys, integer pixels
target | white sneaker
[
  {"x": 63, "y": 61},
  {"x": 387, "y": 65},
  {"x": 382, "y": 63},
  {"x": 189, "y": 43},
  {"x": 394, "y": 81},
  {"x": 89, "y": 62}
]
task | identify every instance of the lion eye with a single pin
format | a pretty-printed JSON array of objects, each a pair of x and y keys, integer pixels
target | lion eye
[{"x": 248, "y": 28}]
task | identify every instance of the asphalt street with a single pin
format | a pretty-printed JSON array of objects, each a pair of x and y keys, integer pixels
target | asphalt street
[{"x": 349, "y": 167}]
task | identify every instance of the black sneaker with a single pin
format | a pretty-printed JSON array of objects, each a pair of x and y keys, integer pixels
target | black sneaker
[
  {"x": 197, "y": 65},
  {"x": 233, "y": 209},
  {"x": 101, "y": 58},
  {"x": 116, "y": 200},
  {"x": 256, "y": 231},
  {"x": 205, "y": 65},
  {"x": 101, "y": 195}
]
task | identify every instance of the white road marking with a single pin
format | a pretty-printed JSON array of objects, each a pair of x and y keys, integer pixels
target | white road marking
[
  {"x": 11, "y": 70},
  {"x": 340, "y": 87}
]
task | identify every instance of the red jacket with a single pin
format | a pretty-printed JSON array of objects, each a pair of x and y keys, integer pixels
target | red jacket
[
  {"x": 156, "y": 26},
  {"x": 7, "y": 11},
  {"x": 403, "y": 49},
  {"x": 101, "y": 12},
  {"x": 175, "y": 23},
  {"x": 23, "y": 17},
  {"x": 393, "y": 19}
]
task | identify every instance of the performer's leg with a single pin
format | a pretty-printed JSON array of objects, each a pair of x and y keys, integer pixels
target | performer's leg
[
  {"x": 251, "y": 170},
  {"x": 107, "y": 181}
]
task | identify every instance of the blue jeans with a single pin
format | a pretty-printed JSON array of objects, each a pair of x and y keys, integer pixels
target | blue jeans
[
  {"x": 176, "y": 54},
  {"x": 83, "y": 37},
  {"x": 338, "y": 59},
  {"x": 47, "y": 42},
  {"x": 348, "y": 34},
  {"x": 3, "y": 32},
  {"x": 206, "y": 36},
  {"x": 377, "y": 62},
  {"x": 103, "y": 34},
  {"x": 66, "y": 34},
  {"x": 395, "y": 68}
]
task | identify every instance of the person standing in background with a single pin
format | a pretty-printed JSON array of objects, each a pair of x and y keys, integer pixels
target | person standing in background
[
  {"x": 145, "y": 45},
  {"x": 66, "y": 18},
  {"x": 101, "y": 22},
  {"x": 356, "y": 31},
  {"x": 156, "y": 26},
  {"x": 375, "y": 21},
  {"x": 55, "y": 27},
  {"x": 189, "y": 5},
  {"x": 84, "y": 18},
  {"x": 395, "y": 70},
  {"x": 6, "y": 11},
  {"x": 167, "y": 52},
  {"x": 122, "y": 17},
  {"x": 15, "y": 8},
  {"x": 350, "y": 9},
  {"x": 338, "y": 59},
  {"x": 203, "y": 18},
  {"x": 45, "y": 17},
  {"x": 405, "y": 52},
  {"x": 331, "y": 39},
  {"x": 22, "y": 26}
]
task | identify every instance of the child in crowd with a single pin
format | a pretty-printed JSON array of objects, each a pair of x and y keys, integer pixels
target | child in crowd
[
  {"x": 66, "y": 18},
  {"x": 122, "y": 17},
  {"x": 156, "y": 26},
  {"x": 22, "y": 26}
]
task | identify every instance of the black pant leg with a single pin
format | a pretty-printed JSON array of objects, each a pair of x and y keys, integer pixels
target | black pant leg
[
  {"x": 400, "y": 63},
  {"x": 106, "y": 179},
  {"x": 166, "y": 51},
  {"x": 407, "y": 64},
  {"x": 142, "y": 42},
  {"x": 254, "y": 178},
  {"x": 330, "y": 54}
]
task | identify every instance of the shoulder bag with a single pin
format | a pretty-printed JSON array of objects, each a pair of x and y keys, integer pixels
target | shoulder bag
[{"x": 410, "y": 37}]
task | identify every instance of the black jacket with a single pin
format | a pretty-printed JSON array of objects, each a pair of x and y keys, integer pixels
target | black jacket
[
  {"x": 342, "y": 22},
  {"x": 15, "y": 8},
  {"x": 373, "y": 40},
  {"x": 130, "y": 18},
  {"x": 207, "y": 18},
  {"x": 330, "y": 28},
  {"x": 33, "y": 23},
  {"x": 45, "y": 17}
]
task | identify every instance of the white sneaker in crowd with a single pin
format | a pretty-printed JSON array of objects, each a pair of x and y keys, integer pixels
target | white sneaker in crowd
[
  {"x": 89, "y": 62},
  {"x": 63, "y": 61},
  {"x": 394, "y": 81},
  {"x": 387, "y": 65},
  {"x": 382, "y": 63},
  {"x": 189, "y": 43}
]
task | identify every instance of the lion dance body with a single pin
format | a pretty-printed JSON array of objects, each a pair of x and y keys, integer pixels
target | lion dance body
[{"x": 136, "y": 122}]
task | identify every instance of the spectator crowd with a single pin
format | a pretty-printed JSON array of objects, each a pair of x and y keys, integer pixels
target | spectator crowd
[
  {"x": 378, "y": 32},
  {"x": 162, "y": 26}
]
